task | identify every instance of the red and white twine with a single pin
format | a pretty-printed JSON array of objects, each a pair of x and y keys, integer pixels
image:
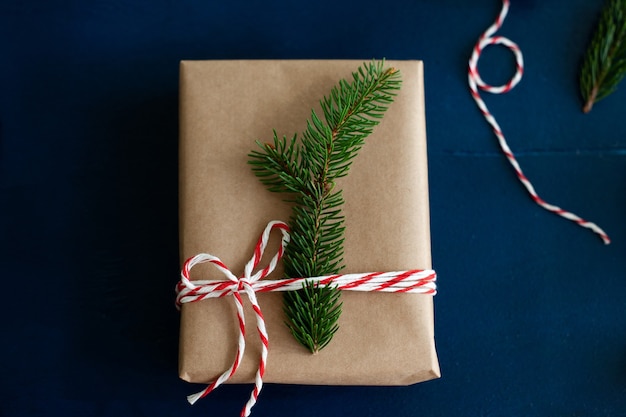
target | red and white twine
[
  {"x": 475, "y": 82},
  {"x": 411, "y": 281}
]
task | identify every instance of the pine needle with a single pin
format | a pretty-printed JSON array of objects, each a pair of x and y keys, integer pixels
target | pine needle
[
  {"x": 604, "y": 64},
  {"x": 306, "y": 169}
]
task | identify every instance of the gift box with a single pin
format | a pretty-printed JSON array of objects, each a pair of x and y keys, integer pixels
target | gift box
[{"x": 225, "y": 106}]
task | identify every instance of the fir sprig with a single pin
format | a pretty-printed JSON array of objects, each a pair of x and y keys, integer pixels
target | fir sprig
[
  {"x": 316, "y": 309},
  {"x": 306, "y": 169},
  {"x": 604, "y": 65}
]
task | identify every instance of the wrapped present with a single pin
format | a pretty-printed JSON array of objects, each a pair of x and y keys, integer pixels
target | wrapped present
[{"x": 225, "y": 106}]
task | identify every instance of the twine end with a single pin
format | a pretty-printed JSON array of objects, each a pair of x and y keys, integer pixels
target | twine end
[{"x": 194, "y": 397}]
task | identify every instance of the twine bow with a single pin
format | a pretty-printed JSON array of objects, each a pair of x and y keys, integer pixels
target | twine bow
[{"x": 189, "y": 292}]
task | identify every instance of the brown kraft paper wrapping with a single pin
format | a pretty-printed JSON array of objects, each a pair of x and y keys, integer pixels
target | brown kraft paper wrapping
[{"x": 384, "y": 339}]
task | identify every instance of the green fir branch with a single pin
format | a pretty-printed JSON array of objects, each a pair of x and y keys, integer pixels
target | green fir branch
[
  {"x": 306, "y": 169},
  {"x": 316, "y": 309},
  {"x": 604, "y": 65}
]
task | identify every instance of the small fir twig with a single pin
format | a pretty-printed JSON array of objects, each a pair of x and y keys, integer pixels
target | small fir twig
[
  {"x": 306, "y": 169},
  {"x": 604, "y": 64}
]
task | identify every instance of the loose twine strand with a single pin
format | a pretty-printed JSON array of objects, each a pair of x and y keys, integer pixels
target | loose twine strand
[
  {"x": 410, "y": 281},
  {"x": 476, "y": 82}
]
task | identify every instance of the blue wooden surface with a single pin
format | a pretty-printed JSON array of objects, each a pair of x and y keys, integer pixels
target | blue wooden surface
[{"x": 530, "y": 318}]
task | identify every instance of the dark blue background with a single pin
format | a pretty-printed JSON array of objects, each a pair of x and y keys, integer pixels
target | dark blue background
[{"x": 530, "y": 318}]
